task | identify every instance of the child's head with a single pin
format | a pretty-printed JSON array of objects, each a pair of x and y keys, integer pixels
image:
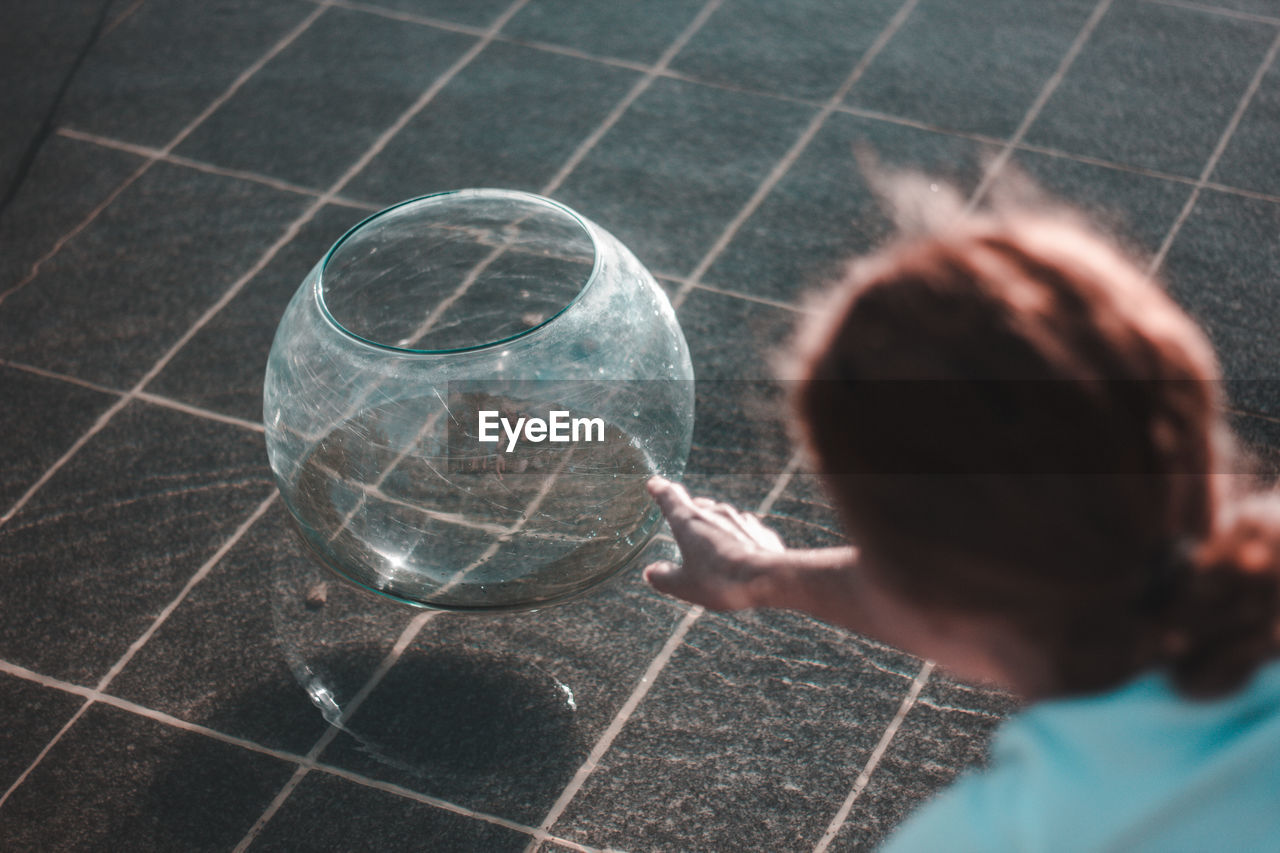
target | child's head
[{"x": 1018, "y": 425}]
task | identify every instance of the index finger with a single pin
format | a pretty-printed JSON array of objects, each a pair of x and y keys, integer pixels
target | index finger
[{"x": 672, "y": 498}]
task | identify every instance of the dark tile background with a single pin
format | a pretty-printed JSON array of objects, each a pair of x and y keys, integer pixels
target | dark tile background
[{"x": 752, "y": 734}]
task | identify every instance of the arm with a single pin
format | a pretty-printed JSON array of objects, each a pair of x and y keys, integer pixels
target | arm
[{"x": 731, "y": 562}]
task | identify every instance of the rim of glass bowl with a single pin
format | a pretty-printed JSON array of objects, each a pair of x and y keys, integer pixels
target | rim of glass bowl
[{"x": 481, "y": 192}]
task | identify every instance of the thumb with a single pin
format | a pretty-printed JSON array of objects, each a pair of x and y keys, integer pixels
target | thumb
[{"x": 662, "y": 575}]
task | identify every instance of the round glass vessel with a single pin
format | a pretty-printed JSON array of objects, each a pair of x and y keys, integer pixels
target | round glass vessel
[{"x": 465, "y": 398}]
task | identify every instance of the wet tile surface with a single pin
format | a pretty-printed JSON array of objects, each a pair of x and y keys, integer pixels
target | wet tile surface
[
  {"x": 326, "y": 98},
  {"x": 154, "y": 73},
  {"x": 753, "y": 732},
  {"x": 1250, "y": 160},
  {"x": 826, "y": 191},
  {"x": 330, "y": 813},
  {"x": 671, "y": 174},
  {"x": 1133, "y": 209},
  {"x": 944, "y": 734},
  {"x": 972, "y": 67},
  {"x": 124, "y": 781},
  {"x": 496, "y": 713},
  {"x": 1157, "y": 102},
  {"x": 235, "y": 655},
  {"x": 1233, "y": 292},
  {"x": 695, "y": 769},
  {"x": 66, "y": 182},
  {"x": 803, "y": 49},
  {"x": 639, "y": 32},
  {"x": 58, "y": 414},
  {"x": 223, "y": 366},
  {"x": 510, "y": 119},
  {"x": 33, "y": 714},
  {"x": 126, "y": 288},
  {"x": 92, "y": 559}
]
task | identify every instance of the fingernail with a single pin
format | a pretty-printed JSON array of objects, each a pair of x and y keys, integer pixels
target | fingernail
[{"x": 656, "y": 484}]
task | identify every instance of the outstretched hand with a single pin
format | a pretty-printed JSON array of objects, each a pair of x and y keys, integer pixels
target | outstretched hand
[{"x": 729, "y": 557}]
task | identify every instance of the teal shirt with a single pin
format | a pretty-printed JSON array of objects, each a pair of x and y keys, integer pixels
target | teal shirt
[{"x": 1137, "y": 769}]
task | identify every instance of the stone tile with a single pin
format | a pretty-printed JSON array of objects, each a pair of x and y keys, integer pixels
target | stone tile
[
  {"x": 823, "y": 212},
  {"x": 39, "y": 48},
  {"x": 222, "y": 367},
  {"x": 112, "y": 538},
  {"x": 329, "y": 813},
  {"x": 636, "y": 31},
  {"x": 497, "y": 713},
  {"x": 67, "y": 180},
  {"x": 750, "y": 739},
  {"x": 120, "y": 781},
  {"x": 1135, "y": 210},
  {"x": 311, "y": 112},
  {"x": 127, "y": 287},
  {"x": 1154, "y": 86},
  {"x": 153, "y": 74},
  {"x": 803, "y": 49},
  {"x": 235, "y": 654},
  {"x": 804, "y": 515},
  {"x": 50, "y": 416},
  {"x": 1222, "y": 269},
  {"x": 510, "y": 119},
  {"x": 1259, "y": 442},
  {"x": 741, "y": 440},
  {"x": 32, "y": 715},
  {"x": 974, "y": 67},
  {"x": 945, "y": 733},
  {"x": 1256, "y": 7},
  {"x": 475, "y": 13},
  {"x": 668, "y": 177},
  {"x": 1251, "y": 160}
]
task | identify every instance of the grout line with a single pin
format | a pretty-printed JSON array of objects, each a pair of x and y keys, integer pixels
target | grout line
[
  {"x": 628, "y": 99},
  {"x": 207, "y": 414},
  {"x": 411, "y": 18},
  {"x": 905, "y": 121},
  {"x": 762, "y": 300},
  {"x": 202, "y": 166},
  {"x": 780, "y": 485},
  {"x": 1217, "y": 10},
  {"x": 182, "y": 134},
  {"x": 793, "y": 153},
  {"x": 873, "y": 761},
  {"x": 120, "y": 19},
  {"x": 1106, "y": 164},
  {"x": 145, "y": 396},
  {"x": 1212, "y": 162},
  {"x": 61, "y": 377},
  {"x": 1252, "y": 414},
  {"x": 1042, "y": 98}
]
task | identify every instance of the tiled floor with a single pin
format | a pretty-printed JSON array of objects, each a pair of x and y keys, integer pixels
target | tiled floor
[{"x": 201, "y": 159}]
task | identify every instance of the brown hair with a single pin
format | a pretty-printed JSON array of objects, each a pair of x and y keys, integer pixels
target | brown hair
[{"x": 1016, "y": 422}]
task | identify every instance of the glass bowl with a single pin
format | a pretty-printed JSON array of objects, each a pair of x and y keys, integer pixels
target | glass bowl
[{"x": 465, "y": 398}]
